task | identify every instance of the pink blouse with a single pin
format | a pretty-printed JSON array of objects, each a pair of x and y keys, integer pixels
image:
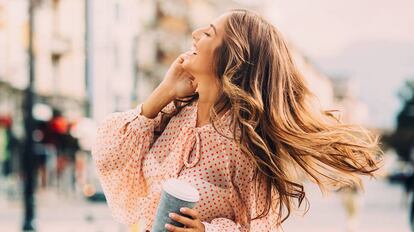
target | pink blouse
[{"x": 131, "y": 167}]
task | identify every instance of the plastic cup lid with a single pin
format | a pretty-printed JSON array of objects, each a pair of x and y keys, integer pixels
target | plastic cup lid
[{"x": 181, "y": 190}]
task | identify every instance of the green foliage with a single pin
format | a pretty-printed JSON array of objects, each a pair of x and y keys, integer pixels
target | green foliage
[{"x": 402, "y": 140}]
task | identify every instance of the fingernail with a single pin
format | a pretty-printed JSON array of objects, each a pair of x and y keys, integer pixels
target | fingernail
[
  {"x": 167, "y": 226},
  {"x": 171, "y": 215},
  {"x": 183, "y": 209}
]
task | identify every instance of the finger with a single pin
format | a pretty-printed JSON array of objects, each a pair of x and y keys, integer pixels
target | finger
[
  {"x": 180, "y": 60},
  {"x": 190, "y": 83},
  {"x": 194, "y": 85},
  {"x": 191, "y": 77},
  {"x": 183, "y": 56},
  {"x": 173, "y": 228},
  {"x": 190, "y": 212},
  {"x": 183, "y": 220}
]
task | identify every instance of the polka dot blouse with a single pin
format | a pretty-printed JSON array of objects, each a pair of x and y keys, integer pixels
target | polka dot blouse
[{"x": 132, "y": 164}]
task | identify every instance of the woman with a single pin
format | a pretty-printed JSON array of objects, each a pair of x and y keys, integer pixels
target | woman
[{"x": 232, "y": 117}]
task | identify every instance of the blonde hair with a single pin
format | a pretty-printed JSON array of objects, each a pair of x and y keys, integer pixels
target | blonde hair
[{"x": 274, "y": 122}]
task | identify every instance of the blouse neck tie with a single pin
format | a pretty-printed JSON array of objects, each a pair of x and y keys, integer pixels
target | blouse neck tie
[
  {"x": 193, "y": 139},
  {"x": 182, "y": 148}
]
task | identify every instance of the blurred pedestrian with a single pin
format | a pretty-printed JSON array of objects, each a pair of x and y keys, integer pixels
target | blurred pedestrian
[
  {"x": 9, "y": 154},
  {"x": 233, "y": 118},
  {"x": 71, "y": 149},
  {"x": 9, "y": 145},
  {"x": 409, "y": 190},
  {"x": 57, "y": 135},
  {"x": 350, "y": 198}
]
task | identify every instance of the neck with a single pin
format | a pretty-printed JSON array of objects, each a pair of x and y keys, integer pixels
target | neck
[{"x": 207, "y": 97}]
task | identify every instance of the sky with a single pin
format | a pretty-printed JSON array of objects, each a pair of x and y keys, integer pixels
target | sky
[{"x": 371, "y": 41}]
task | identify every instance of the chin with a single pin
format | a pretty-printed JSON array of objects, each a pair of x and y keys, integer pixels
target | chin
[{"x": 189, "y": 67}]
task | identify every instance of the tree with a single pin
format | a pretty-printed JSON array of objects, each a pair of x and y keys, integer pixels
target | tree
[{"x": 402, "y": 140}]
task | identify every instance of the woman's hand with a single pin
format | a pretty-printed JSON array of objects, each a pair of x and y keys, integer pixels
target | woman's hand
[
  {"x": 192, "y": 224},
  {"x": 177, "y": 83},
  {"x": 178, "y": 80}
]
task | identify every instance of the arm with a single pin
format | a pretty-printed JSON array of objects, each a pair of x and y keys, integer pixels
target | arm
[{"x": 123, "y": 140}]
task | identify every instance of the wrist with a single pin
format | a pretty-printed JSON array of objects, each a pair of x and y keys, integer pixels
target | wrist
[
  {"x": 167, "y": 91},
  {"x": 158, "y": 99}
]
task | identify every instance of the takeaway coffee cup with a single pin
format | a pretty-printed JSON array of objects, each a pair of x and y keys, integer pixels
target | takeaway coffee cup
[{"x": 175, "y": 195}]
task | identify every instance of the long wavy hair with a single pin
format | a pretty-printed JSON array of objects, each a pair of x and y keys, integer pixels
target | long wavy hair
[{"x": 275, "y": 123}]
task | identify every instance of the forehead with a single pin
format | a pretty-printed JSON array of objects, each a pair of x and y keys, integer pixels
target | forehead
[{"x": 220, "y": 22}]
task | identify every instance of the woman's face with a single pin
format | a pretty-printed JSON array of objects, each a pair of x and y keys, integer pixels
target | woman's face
[{"x": 199, "y": 61}]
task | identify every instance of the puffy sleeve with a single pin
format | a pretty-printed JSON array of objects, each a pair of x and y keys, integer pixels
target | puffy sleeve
[
  {"x": 245, "y": 203},
  {"x": 123, "y": 139}
]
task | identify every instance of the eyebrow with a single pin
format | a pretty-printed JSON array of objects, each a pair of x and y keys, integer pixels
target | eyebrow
[{"x": 215, "y": 30}]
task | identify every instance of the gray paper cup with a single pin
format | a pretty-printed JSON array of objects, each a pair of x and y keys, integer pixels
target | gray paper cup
[{"x": 175, "y": 195}]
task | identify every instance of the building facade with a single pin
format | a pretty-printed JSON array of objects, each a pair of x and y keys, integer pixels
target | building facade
[{"x": 131, "y": 45}]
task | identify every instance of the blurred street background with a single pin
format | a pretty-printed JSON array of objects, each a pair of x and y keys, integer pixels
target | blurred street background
[{"x": 65, "y": 64}]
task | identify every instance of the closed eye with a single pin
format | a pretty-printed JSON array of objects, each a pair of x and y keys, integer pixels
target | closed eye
[{"x": 207, "y": 34}]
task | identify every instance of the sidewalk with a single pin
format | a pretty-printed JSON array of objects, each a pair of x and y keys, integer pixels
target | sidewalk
[
  {"x": 58, "y": 214},
  {"x": 382, "y": 211}
]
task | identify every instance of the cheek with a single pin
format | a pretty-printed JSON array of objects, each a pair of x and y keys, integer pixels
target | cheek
[
  {"x": 206, "y": 59},
  {"x": 200, "y": 64}
]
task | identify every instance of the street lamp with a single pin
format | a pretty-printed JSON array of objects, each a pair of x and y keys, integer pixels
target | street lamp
[
  {"x": 88, "y": 58},
  {"x": 29, "y": 171}
]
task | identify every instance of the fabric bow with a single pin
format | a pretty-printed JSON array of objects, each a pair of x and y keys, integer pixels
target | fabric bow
[{"x": 182, "y": 148}]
